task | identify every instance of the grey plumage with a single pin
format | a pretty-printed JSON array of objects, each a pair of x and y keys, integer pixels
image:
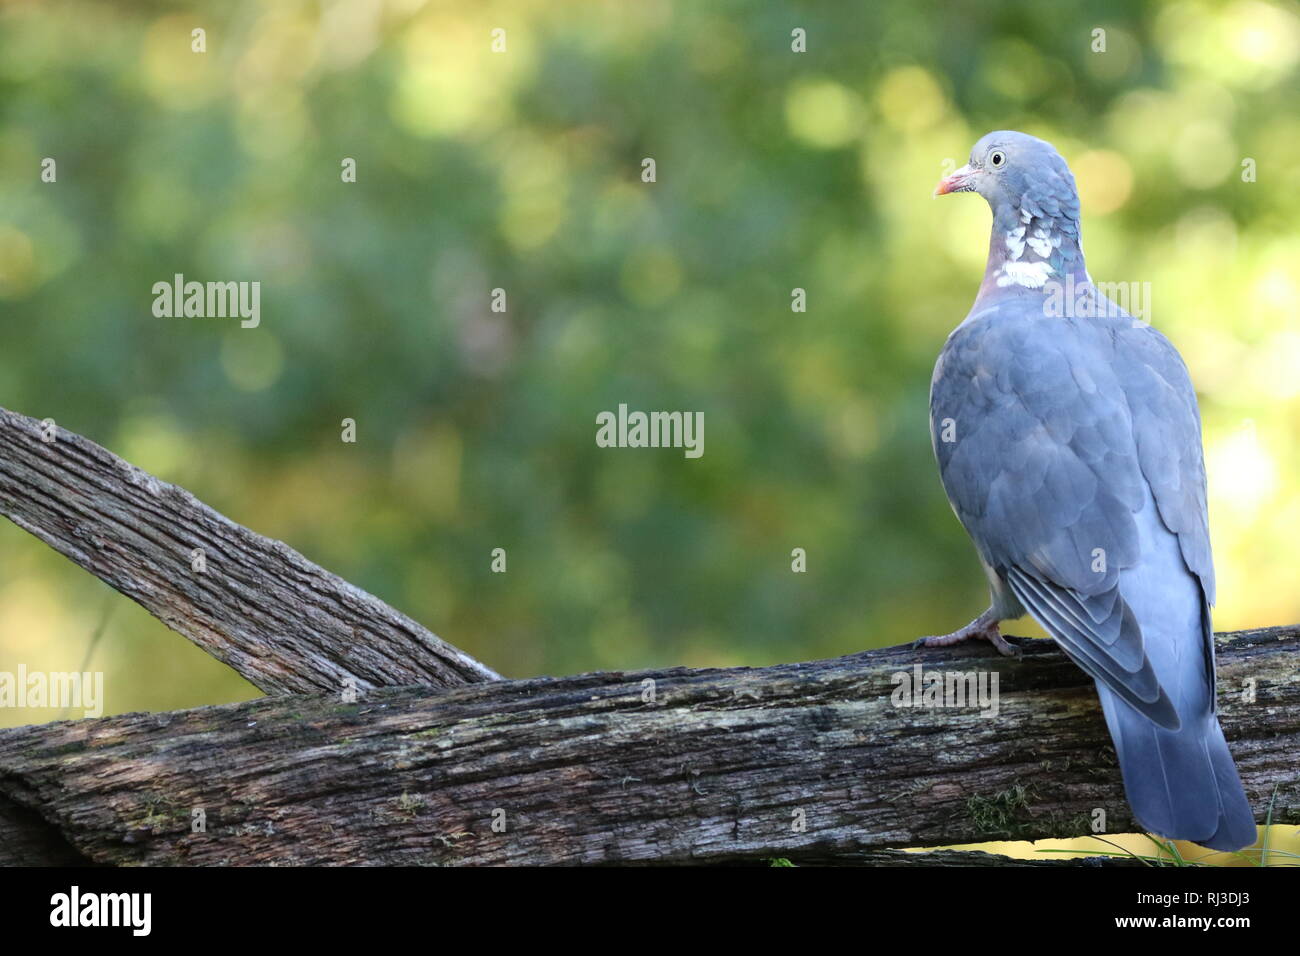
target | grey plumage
[{"x": 1069, "y": 446}]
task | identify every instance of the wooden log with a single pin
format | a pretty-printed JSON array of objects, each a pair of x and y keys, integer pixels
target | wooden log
[
  {"x": 284, "y": 623},
  {"x": 811, "y": 762}
]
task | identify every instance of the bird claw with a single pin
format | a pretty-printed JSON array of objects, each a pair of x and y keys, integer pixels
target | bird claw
[{"x": 974, "y": 631}]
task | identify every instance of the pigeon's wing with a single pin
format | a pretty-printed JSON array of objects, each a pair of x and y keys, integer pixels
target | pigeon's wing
[
  {"x": 1167, "y": 432},
  {"x": 1037, "y": 453},
  {"x": 1167, "y": 435}
]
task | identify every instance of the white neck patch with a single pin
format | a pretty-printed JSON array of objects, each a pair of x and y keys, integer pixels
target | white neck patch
[
  {"x": 1041, "y": 240},
  {"x": 1031, "y": 275}
]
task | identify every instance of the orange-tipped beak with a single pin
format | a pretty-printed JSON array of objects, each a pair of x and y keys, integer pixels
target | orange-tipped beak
[{"x": 958, "y": 182}]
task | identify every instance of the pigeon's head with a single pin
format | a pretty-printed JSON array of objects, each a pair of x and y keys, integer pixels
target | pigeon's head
[{"x": 1014, "y": 172}]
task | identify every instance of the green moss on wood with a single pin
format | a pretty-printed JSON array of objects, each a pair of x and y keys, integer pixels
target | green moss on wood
[{"x": 1001, "y": 813}]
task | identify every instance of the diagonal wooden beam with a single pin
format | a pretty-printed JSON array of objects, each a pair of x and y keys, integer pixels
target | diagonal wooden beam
[{"x": 284, "y": 623}]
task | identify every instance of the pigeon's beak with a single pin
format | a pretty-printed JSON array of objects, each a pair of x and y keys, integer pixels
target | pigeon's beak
[{"x": 958, "y": 182}]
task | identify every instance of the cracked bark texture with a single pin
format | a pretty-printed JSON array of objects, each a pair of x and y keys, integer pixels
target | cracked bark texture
[
  {"x": 673, "y": 766},
  {"x": 284, "y": 623}
]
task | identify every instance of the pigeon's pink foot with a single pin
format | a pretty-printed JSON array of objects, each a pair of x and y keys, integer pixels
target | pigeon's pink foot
[{"x": 983, "y": 628}]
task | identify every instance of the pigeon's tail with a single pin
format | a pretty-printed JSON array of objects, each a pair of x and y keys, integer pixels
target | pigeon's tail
[{"x": 1181, "y": 784}]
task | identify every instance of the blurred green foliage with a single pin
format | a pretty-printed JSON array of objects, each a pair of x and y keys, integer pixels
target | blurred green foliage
[{"x": 521, "y": 170}]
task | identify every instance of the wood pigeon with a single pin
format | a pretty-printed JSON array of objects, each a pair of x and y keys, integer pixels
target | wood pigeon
[{"x": 1069, "y": 444}]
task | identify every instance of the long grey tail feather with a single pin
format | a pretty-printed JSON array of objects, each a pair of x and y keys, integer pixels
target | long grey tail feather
[{"x": 1183, "y": 784}]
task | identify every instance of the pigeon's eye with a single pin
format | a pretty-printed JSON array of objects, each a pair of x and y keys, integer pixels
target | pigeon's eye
[{"x": 997, "y": 159}]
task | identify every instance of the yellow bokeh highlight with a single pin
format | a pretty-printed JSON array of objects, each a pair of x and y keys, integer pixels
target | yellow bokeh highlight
[
  {"x": 451, "y": 82},
  {"x": 427, "y": 469},
  {"x": 910, "y": 98},
  {"x": 1105, "y": 180},
  {"x": 534, "y": 186},
  {"x": 172, "y": 73},
  {"x": 1248, "y": 44},
  {"x": 822, "y": 113},
  {"x": 1204, "y": 154},
  {"x": 17, "y": 263},
  {"x": 251, "y": 358},
  {"x": 1245, "y": 474},
  {"x": 152, "y": 440}
]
